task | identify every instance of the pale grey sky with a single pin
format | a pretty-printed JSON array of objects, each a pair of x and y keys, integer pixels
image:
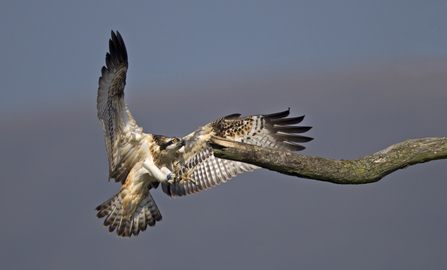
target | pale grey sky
[
  {"x": 50, "y": 50},
  {"x": 367, "y": 74}
]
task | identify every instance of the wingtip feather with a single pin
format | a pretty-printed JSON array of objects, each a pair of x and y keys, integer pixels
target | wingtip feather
[{"x": 278, "y": 114}]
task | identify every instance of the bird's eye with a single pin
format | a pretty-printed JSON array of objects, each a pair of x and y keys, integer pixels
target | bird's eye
[{"x": 174, "y": 140}]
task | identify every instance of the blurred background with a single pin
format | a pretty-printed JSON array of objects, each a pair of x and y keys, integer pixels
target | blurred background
[{"x": 367, "y": 74}]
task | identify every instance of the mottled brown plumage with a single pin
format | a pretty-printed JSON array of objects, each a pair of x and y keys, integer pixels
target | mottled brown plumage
[{"x": 183, "y": 166}]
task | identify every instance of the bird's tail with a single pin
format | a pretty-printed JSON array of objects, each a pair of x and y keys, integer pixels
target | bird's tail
[{"x": 147, "y": 213}]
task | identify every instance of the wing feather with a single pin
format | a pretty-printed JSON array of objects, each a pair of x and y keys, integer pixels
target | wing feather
[
  {"x": 271, "y": 131},
  {"x": 122, "y": 135}
]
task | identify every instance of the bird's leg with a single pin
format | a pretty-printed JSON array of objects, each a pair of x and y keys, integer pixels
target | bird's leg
[
  {"x": 162, "y": 175},
  {"x": 173, "y": 178}
]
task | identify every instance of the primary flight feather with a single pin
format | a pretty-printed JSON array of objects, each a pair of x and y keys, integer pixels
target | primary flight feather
[{"x": 183, "y": 166}]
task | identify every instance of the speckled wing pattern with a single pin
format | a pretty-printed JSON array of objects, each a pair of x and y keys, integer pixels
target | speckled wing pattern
[
  {"x": 132, "y": 209},
  {"x": 122, "y": 135},
  {"x": 124, "y": 144},
  {"x": 271, "y": 131}
]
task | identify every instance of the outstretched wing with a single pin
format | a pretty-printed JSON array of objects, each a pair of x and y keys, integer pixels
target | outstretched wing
[
  {"x": 272, "y": 131},
  {"x": 122, "y": 135}
]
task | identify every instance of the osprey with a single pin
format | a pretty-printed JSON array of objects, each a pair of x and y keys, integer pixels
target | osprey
[{"x": 183, "y": 166}]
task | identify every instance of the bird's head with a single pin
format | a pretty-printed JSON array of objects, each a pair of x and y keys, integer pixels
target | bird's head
[
  {"x": 174, "y": 144},
  {"x": 169, "y": 143}
]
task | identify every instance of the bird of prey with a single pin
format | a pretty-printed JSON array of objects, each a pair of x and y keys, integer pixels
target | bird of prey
[{"x": 183, "y": 166}]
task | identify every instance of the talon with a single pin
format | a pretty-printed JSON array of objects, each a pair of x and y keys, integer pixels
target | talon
[
  {"x": 187, "y": 176},
  {"x": 190, "y": 179}
]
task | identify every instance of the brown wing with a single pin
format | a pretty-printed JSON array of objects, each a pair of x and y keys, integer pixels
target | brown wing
[
  {"x": 122, "y": 135},
  {"x": 271, "y": 131}
]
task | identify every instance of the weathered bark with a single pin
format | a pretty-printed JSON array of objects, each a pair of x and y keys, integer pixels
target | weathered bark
[{"x": 364, "y": 170}]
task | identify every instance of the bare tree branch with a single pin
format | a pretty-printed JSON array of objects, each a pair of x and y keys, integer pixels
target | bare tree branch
[{"x": 364, "y": 170}]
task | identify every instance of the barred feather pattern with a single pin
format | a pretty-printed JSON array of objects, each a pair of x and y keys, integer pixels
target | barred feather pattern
[
  {"x": 147, "y": 213},
  {"x": 271, "y": 131},
  {"x": 122, "y": 135},
  {"x": 128, "y": 147},
  {"x": 209, "y": 171},
  {"x": 110, "y": 100}
]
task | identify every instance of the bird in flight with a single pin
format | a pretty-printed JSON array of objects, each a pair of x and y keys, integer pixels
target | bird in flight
[{"x": 183, "y": 166}]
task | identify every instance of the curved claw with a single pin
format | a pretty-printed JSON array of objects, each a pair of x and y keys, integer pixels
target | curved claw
[{"x": 187, "y": 176}]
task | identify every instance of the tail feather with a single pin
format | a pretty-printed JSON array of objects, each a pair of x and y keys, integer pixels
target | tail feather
[{"x": 147, "y": 213}]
